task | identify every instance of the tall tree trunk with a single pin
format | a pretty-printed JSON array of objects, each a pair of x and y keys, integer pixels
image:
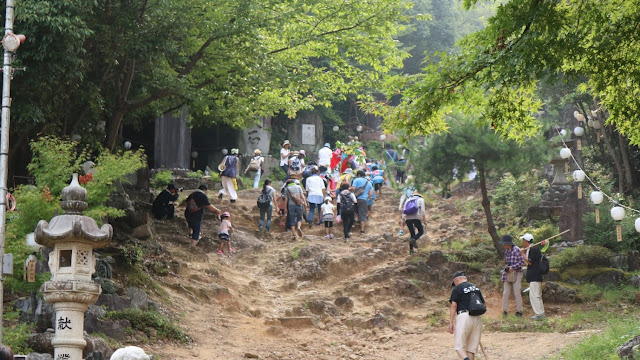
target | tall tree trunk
[
  {"x": 114, "y": 125},
  {"x": 486, "y": 205},
  {"x": 625, "y": 161},
  {"x": 614, "y": 155}
]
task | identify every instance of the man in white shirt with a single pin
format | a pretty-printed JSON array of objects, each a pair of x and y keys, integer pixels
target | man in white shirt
[{"x": 324, "y": 156}]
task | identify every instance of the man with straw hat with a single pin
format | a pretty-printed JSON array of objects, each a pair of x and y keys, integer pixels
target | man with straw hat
[
  {"x": 466, "y": 327},
  {"x": 256, "y": 167},
  {"x": 532, "y": 255},
  {"x": 511, "y": 274}
]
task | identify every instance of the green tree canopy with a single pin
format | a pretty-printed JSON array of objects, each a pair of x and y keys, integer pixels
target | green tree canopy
[
  {"x": 230, "y": 61},
  {"x": 494, "y": 73}
]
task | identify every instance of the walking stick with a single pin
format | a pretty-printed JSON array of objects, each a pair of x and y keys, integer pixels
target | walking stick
[
  {"x": 483, "y": 352},
  {"x": 549, "y": 238}
]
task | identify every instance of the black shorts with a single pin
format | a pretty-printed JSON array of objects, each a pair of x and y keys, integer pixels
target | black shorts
[
  {"x": 377, "y": 186},
  {"x": 224, "y": 237},
  {"x": 328, "y": 224}
]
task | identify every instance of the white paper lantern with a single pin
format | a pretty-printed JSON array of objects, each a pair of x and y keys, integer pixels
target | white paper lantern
[
  {"x": 579, "y": 175},
  {"x": 359, "y": 128},
  {"x": 336, "y": 128},
  {"x": 383, "y": 137},
  {"x": 127, "y": 145},
  {"x": 225, "y": 152},
  {"x": 597, "y": 197},
  {"x": 638, "y": 224},
  {"x": 194, "y": 154},
  {"x": 565, "y": 153},
  {"x": 76, "y": 137},
  {"x": 596, "y": 124},
  {"x": 617, "y": 213},
  {"x": 590, "y": 123},
  {"x": 579, "y": 131},
  {"x": 563, "y": 132}
]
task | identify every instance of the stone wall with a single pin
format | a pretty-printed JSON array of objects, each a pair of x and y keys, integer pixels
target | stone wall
[
  {"x": 172, "y": 143},
  {"x": 256, "y": 137},
  {"x": 295, "y": 133}
]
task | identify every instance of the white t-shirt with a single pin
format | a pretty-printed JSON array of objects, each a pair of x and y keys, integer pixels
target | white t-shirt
[
  {"x": 324, "y": 157},
  {"x": 284, "y": 152},
  {"x": 327, "y": 208},
  {"x": 315, "y": 185}
]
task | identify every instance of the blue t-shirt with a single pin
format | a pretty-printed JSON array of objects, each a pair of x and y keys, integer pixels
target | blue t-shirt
[{"x": 362, "y": 182}]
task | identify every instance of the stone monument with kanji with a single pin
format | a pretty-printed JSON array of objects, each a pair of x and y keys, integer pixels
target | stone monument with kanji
[{"x": 73, "y": 237}]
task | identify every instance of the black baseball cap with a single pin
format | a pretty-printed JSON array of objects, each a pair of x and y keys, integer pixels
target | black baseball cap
[
  {"x": 455, "y": 275},
  {"x": 172, "y": 186}
]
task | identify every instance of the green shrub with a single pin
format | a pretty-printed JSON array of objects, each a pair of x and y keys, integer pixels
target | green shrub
[
  {"x": 195, "y": 174},
  {"x": 590, "y": 255},
  {"x": 513, "y": 196},
  {"x": 277, "y": 173},
  {"x": 145, "y": 320},
  {"x": 16, "y": 335},
  {"x": 604, "y": 233},
  {"x": 544, "y": 231},
  {"x": 161, "y": 179},
  {"x": 605, "y": 344}
]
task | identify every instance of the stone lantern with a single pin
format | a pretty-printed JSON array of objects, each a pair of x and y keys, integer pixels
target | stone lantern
[{"x": 73, "y": 237}]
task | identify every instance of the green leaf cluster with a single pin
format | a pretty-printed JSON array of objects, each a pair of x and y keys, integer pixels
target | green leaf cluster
[
  {"x": 496, "y": 72},
  {"x": 230, "y": 61}
]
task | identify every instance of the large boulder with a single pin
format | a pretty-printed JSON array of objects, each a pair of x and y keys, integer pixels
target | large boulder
[
  {"x": 630, "y": 350},
  {"x": 555, "y": 293},
  {"x": 41, "y": 342},
  {"x": 35, "y": 310}
]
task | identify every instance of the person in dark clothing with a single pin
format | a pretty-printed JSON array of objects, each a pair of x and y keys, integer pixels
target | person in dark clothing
[
  {"x": 533, "y": 256},
  {"x": 163, "y": 204},
  {"x": 466, "y": 327},
  {"x": 196, "y": 203},
  {"x": 5, "y": 352}
]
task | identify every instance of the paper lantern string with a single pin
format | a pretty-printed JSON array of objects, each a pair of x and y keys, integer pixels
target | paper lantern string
[{"x": 615, "y": 202}]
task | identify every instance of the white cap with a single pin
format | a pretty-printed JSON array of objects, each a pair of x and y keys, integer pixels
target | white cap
[
  {"x": 527, "y": 237},
  {"x": 328, "y": 198}
]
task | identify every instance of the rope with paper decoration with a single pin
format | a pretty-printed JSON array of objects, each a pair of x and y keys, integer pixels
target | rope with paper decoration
[{"x": 597, "y": 196}]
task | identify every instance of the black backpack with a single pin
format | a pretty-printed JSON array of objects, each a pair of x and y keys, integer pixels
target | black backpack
[
  {"x": 544, "y": 265},
  {"x": 347, "y": 206},
  {"x": 264, "y": 200},
  {"x": 476, "y": 306}
]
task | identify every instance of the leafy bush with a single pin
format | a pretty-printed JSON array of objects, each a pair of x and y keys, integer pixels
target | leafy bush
[
  {"x": 53, "y": 162},
  {"x": 544, "y": 231},
  {"x": 145, "y": 320},
  {"x": 16, "y": 335},
  {"x": 590, "y": 255},
  {"x": 109, "y": 169},
  {"x": 513, "y": 196},
  {"x": 161, "y": 179},
  {"x": 195, "y": 174},
  {"x": 604, "y": 233}
]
